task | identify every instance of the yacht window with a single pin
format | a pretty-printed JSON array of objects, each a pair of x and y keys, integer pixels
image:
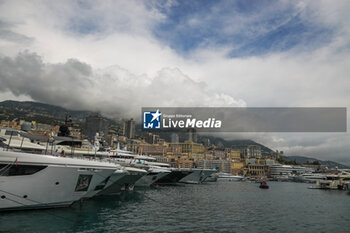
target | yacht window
[
  {"x": 152, "y": 173},
  {"x": 8, "y": 132},
  {"x": 19, "y": 170},
  {"x": 102, "y": 184},
  {"x": 70, "y": 143},
  {"x": 83, "y": 183}
]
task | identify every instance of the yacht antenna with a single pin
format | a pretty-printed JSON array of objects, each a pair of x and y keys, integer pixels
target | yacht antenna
[
  {"x": 22, "y": 142},
  {"x": 72, "y": 148},
  {"x": 47, "y": 146},
  {"x": 9, "y": 140},
  {"x": 52, "y": 140}
]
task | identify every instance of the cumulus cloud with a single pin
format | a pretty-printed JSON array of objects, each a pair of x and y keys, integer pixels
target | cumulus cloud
[
  {"x": 111, "y": 57},
  {"x": 113, "y": 91}
]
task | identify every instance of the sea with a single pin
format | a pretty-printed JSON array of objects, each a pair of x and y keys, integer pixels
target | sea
[{"x": 210, "y": 207}]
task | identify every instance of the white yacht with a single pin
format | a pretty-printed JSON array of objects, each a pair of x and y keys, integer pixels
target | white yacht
[
  {"x": 155, "y": 171},
  {"x": 31, "y": 181},
  {"x": 174, "y": 176},
  {"x": 72, "y": 147},
  {"x": 168, "y": 175},
  {"x": 339, "y": 180},
  {"x": 328, "y": 184},
  {"x": 160, "y": 173},
  {"x": 115, "y": 179},
  {"x": 184, "y": 175},
  {"x": 197, "y": 176},
  {"x": 76, "y": 148},
  {"x": 13, "y": 139},
  {"x": 124, "y": 179},
  {"x": 277, "y": 170},
  {"x": 228, "y": 177},
  {"x": 212, "y": 178},
  {"x": 125, "y": 182},
  {"x": 312, "y": 177},
  {"x": 153, "y": 175}
]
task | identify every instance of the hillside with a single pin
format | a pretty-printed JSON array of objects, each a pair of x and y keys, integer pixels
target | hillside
[
  {"x": 33, "y": 109},
  {"x": 229, "y": 143},
  {"x": 303, "y": 159},
  {"x": 217, "y": 141}
]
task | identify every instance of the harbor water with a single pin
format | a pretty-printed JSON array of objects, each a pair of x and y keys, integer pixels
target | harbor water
[{"x": 211, "y": 207}]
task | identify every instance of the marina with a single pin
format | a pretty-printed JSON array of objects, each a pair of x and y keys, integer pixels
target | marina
[
  {"x": 210, "y": 207},
  {"x": 174, "y": 116},
  {"x": 133, "y": 193},
  {"x": 102, "y": 190},
  {"x": 27, "y": 172},
  {"x": 25, "y": 178}
]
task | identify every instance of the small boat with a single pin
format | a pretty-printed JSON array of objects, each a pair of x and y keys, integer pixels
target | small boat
[{"x": 263, "y": 185}]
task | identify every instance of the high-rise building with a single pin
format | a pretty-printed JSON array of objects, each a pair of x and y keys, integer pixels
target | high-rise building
[
  {"x": 96, "y": 124},
  {"x": 219, "y": 165},
  {"x": 205, "y": 142},
  {"x": 129, "y": 128},
  {"x": 175, "y": 138},
  {"x": 151, "y": 138},
  {"x": 248, "y": 151},
  {"x": 192, "y": 135},
  {"x": 235, "y": 155},
  {"x": 186, "y": 147}
]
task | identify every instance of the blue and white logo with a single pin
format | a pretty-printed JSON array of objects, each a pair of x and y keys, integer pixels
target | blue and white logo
[{"x": 151, "y": 120}]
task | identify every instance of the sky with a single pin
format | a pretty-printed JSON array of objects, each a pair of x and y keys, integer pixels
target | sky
[{"x": 117, "y": 56}]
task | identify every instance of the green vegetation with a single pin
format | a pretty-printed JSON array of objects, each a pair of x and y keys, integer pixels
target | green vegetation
[
  {"x": 315, "y": 162},
  {"x": 288, "y": 162}
]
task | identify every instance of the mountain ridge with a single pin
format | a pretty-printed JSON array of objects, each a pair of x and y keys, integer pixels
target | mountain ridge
[
  {"x": 304, "y": 159},
  {"x": 42, "y": 109}
]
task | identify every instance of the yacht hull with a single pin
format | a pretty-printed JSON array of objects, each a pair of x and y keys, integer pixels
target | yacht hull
[
  {"x": 114, "y": 179},
  {"x": 150, "y": 179},
  {"x": 173, "y": 177},
  {"x": 197, "y": 176},
  {"x": 126, "y": 183},
  {"x": 54, "y": 185},
  {"x": 212, "y": 178}
]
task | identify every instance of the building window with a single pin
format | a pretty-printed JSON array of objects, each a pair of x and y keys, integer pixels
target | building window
[{"x": 9, "y": 133}]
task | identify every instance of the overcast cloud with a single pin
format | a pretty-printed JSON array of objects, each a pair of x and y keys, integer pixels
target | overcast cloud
[{"x": 117, "y": 56}]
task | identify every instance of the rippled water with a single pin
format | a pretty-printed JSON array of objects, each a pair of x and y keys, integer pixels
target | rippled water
[{"x": 212, "y": 207}]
